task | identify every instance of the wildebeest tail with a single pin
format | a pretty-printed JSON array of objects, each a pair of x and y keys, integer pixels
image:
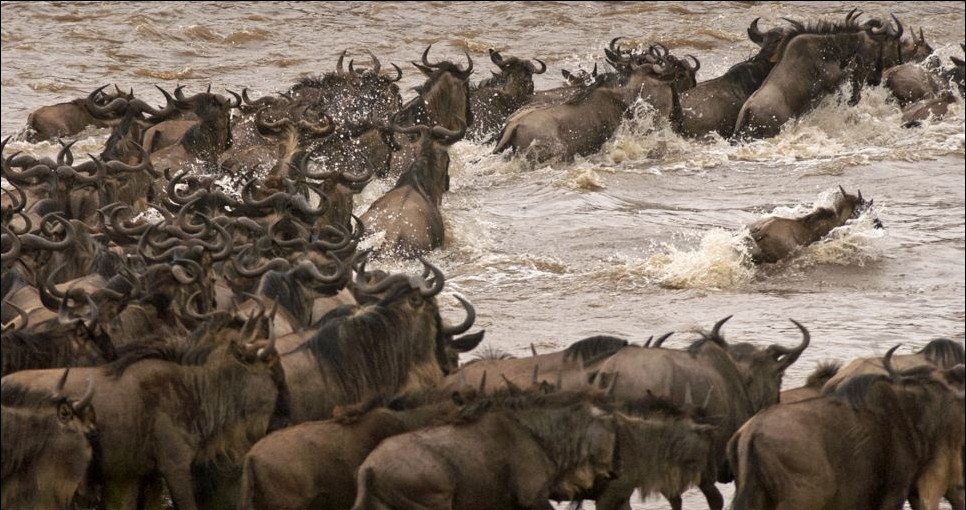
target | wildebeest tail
[
  {"x": 364, "y": 487},
  {"x": 506, "y": 137},
  {"x": 749, "y": 492}
]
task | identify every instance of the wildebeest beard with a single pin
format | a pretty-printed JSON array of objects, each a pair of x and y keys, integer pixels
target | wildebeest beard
[{"x": 372, "y": 349}]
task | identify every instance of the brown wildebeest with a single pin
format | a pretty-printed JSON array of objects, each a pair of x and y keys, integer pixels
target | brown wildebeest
[
  {"x": 941, "y": 353},
  {"x": 776, "y": 238},
  {"x": 502, "y": 453},
  {"x": 738, "y": 379},
  {"x": 409, "y": 213},
  {"x": 70, "y": 118},
  {"x": 46, "y": 446},
  {"x": 871, "y": 443},
  {"x": 313, "y": 465},
  {"x": 813, "y": 385},
  {"x": 814, "y": 61},
  {"x": 164, "y": 410},
  {"x": 495, "y": 98}
]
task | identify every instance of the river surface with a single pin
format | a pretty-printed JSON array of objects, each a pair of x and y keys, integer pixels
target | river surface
[{"x": 642, "y": 238}]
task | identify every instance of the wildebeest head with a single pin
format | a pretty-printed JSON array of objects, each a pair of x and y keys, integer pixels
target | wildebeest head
[
  {"x": 46, "y": 446},
  {"x": 213, "y": 132},
  {"x": 760, "y": 369},
  {"x": 443, "y": 100},
  {"x": 915, "y": 49},
  {"x": 429, "y": 172},
  {"x": 852, "y": 206},
  {"x": 515, "y": 77}
]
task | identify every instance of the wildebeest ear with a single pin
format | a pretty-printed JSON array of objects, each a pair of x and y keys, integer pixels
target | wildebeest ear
[
  {"x": 591, "y": 377},
  {"x": 467, "y": 343},
  {"x": 957, "y": 61},
  {"x": 955, "y": 376}
]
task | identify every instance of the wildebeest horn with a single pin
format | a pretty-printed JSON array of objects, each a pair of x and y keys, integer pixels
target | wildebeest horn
[
  {"x": 306, "y": 269},
  {"x": 660, "y": 341},
  {"x": 844, "y": 194},
  {"x": 338, "y": 65},
  {"x": 533, "y": 350},
  {"x": 376, "y": 66},
  {"x": 113, "y": 107},
  {"x": 852, "y": 16},
  {"x": 61, "y": 382},
  {"x": 859, "y": 194},
  {"x": 754, "y": 33},
  {"x": 24, "y": 318},
  {"x": 469, "y": 66},
  {"x": 426, "y": 57},
  {"x": 238, "y": 99},
  {"x": 512, "y": 388},
  {"x": 887, "y": 363},
  {"x": 789, "y": 356},
  {"x": 496, "y": 58},
  {"x": 446, "y": 136},
  {"x": 796, "y": 24},
  {"x": 398, "y": 73},
  {"x": 716, "y": 330},
  {"x": 179, "y": 271},
  {"x": 697, "y": 63},
  {"x": 16, "y": 246},
  {"x": 482, "y": 384},
  {"x": 438, "y": 279},
  {"x": 543, "y": 66},
  {"x": 467, "y": 322},
  {"x": 85, "y": 400},
  {"x": 613, "y": 44},
  {"x": 352, "y": 69},
  {"x": 899, "y": 28},
  {"x": 536, "y": 372},
  {"x": 266, "y": 353}
]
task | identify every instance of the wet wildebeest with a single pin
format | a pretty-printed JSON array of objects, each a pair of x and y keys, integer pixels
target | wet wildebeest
[
  {"x": 502, "y": 453},
  {"x": 409, "y": 213},
  {"x": 394, "y": 341},
  {"x": 203, "y": 140},
  {"x": 70, "y": 118},
  {"x": 583, "y": 123},
  {"x": 813, "y": 385},
  {"x": 712, "y": 106},
  {"x": 937, "y": 106},
  {"x": 941, "y": 353},
  {"x": 815, "y": 61},
  {"x": 563, "y": 368},
  {"x": 313, "y": 465},
  {"x": 776, "y": 238},
  {"x": 166, "y": 410},
  {"x": 46, "y": 446},
  {"x": 868, "y": 444},
  {"x": 443, "y": 100},
  {"x": 737, "y": 380},
  {"x": 495, "y": 98}
]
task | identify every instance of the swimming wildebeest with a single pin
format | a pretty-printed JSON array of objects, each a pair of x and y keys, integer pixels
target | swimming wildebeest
[
  {"x": 941, "y": 353},
  {"x": 871, "y": 443},
  {"x": 815, "y": 61},
  {"x": 813, "y": 385},
  {"x": 70, "y": 118},
  {"x": 46, "y": 446},
  {"x": 409, "y": 213},
  {"x": 495, "y": 98},
  {"x": 739, "y": 379},
  {"x": 776, "y": 238}
]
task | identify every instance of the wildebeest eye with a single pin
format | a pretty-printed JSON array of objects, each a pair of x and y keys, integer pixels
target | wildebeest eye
[{"x": 64, "y": 412}]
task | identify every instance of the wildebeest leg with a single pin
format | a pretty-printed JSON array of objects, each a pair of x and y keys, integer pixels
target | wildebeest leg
[
  {"x": 121, "y": 495},
  {"x": 152, "y": 494},
  {"x": 957, "y": 498},
  {"x": 175, "y": 465},
  {"x": 615, "y": 497},
  {"x": 712, "y": 494},
  {"x": 675, "y": 501}
]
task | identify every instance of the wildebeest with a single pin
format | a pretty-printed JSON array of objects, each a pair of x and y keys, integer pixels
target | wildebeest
[
  {"x": 584, "y": 122},
  {"x": 46, "y": 446},
  {"x": 775, "y": 238},
  {"x": 737, "y": 380},
  {"x": 815, "y": 61},
  {"x": 712, "y": 106},
  {"x": 70, "y": 118},
  {"x": 910, "y": 82},
  {"x": 501, "y": 453},
  {"x": 409, "y": 214},
  {"x": 941, "y": 353},
  {"x": 394, "y": 341},
  {"x": 868, "y": 444},
  {"x": 166, "y": 410},
  {"x": 313, "y": 465},
  {"x": 813, "y": 385},
  {"x": 495, "y": 98}
]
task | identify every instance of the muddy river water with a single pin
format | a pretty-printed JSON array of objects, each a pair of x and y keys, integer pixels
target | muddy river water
[{"x": 642, "y": 238}]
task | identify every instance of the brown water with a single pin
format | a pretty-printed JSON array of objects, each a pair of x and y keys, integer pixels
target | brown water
[{"x": 638, "y": 240}]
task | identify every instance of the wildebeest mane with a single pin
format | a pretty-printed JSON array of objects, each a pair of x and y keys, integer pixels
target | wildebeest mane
[
  {"x": 364, "y": 347},
  {"x": 517, "y": 401},
  {"x": 856, "y": 392},
  {"x": 25, "y": 350},
  {"x": 17, "y": 395},
  {"x": 944, "y": 353},
  {"x": 19, "y": 450},
  {"x": 188, "y": 355},
  {"x": 489, "y": 353},
  {"x": 402, "y": 402},
  {"x": 594, "y": 347}
]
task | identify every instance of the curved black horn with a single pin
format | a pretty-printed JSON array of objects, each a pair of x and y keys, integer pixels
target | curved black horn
[
  {"x": 755, "y": 33},
  {"x": 887, "y": 363},
  {"x": 790, "y": 356},
  {"x": 438, "y": 279},
  {"x": 467, "y": 323}
]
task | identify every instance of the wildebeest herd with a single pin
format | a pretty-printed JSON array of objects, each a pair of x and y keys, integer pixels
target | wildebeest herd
[{"x": 239, "y": 351}]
